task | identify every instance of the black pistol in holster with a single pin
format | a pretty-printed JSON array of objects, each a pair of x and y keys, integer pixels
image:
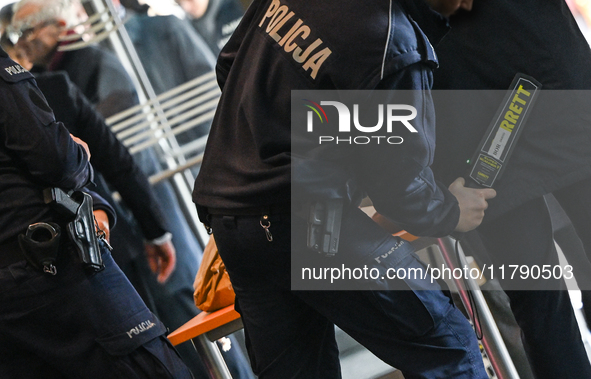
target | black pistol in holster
[
  {"x": 322, "y": 192},
  {"x": 81, "y": 229}
]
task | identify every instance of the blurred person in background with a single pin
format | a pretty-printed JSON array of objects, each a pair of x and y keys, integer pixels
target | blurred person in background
[
  {"x": 214, "y": 20},
  {"x": 172, "y": 53},
  {"x": 39, "y": 25}
]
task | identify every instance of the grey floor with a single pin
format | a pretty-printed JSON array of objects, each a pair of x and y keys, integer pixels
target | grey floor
[{"x": 358, "y": 363}]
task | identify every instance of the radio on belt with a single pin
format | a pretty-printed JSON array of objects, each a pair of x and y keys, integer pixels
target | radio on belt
[{"x": 498, "y": 143}]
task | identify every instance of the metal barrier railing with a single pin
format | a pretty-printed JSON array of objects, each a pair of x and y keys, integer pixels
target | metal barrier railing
[
  {"x": 95, "y": 29},
  {"x": 178, "y": 110},
  {"x": 158, "y": 121},
  {"x": 492, "y": 340}
]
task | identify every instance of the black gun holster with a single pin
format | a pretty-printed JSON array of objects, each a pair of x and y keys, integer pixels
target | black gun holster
[
  {"x": 82, "y": 233},
  {"x": 324, "y": 193},
  {"x": 77, "y": 209}
]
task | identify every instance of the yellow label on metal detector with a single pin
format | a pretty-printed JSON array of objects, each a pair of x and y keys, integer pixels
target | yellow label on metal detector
[{"x": 500, "y": 139}]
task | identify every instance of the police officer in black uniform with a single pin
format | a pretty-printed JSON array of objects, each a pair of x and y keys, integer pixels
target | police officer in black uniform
[
  {"x": 243, "y": 191},
  {"x": 70, "y": 322}
]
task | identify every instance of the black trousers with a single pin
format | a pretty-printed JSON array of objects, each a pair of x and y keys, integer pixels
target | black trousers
[
  {"x": 79, "y": 324},
  {"x": 575, "y": 200},
  {"x": 290, "y": 334},
  {"x": 541, "y": 307}
]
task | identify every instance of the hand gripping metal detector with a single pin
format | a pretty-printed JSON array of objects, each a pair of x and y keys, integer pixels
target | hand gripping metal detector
[{"x": 494, "y": 150}]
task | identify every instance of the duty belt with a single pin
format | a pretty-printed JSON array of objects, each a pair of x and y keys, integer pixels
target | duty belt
[
  {"x": 264, "y": 212},
  {"x": 252, "y": 211}
]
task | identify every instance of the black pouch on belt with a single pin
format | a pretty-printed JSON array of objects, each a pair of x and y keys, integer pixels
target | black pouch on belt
[{"x": 40, "y": 245}]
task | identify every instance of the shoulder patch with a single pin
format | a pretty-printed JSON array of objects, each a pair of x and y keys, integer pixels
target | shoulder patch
[{"x": 13, "y": 72}]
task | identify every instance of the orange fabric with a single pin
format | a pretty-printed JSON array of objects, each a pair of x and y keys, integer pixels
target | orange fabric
[
  {"x": 213, "y": 289},
  {"x": 390, "y": 227},
  {"x": 203, "y": 323},
  {"x": 406, "y": 236}
]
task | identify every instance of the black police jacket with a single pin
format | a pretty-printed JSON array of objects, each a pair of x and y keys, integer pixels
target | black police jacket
[
  {"x": 342, "y": 45},
  {"x": 36, "y": 152}
]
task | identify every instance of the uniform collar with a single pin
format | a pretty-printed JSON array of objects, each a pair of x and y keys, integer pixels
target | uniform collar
[{"x": 432, "y": 23}]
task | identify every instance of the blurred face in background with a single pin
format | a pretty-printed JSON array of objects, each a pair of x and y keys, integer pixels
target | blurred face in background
[
  {"x": 195, "y": 8},
  {"x": 37, "y": 39}
]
